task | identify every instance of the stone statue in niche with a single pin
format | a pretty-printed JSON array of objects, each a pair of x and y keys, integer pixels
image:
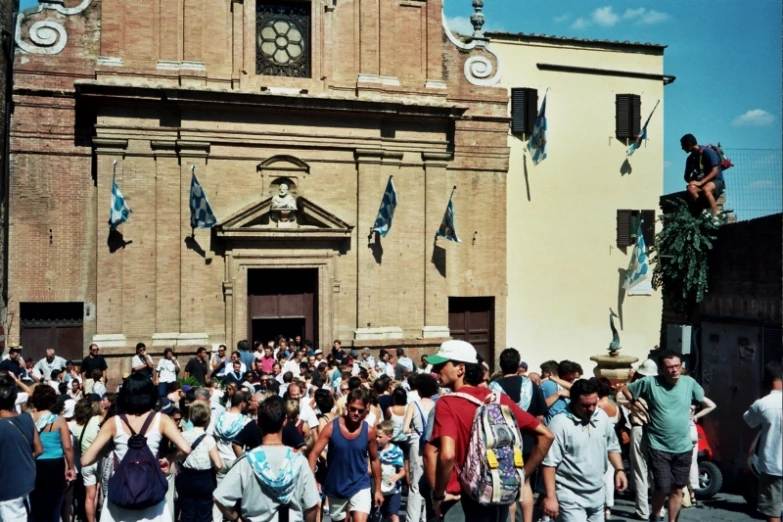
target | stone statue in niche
[{"x": 284, "y": 205}]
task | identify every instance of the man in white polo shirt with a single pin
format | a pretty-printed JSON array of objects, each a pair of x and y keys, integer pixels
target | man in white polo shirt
[{"x": 574, "y": 468}]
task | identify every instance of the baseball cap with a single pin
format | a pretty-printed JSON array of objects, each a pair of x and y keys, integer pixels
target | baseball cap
[
  {"x": 319, "y": 352},
  {"x": 648, "y": 368},
  {"x": 354, "y": 354},
  {"x": 453, "y": 350},
  {"x": 166, "y": 406},
  {"x": 523, "y": 365},
  {"x": 186, "y": 388}
]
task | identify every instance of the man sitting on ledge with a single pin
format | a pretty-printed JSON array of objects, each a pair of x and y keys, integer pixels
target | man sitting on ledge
[{"x": 703, "y": 173}]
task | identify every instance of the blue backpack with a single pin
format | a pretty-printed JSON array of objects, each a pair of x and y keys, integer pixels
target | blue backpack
[{"x": 138, "y": 482}]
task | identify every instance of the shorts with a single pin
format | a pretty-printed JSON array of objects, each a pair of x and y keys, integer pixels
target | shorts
[
  {"x": 340, "y": 508},
  {"x": 90, "y": 474},
  {"x": 720, "y": 186},
  {"x": 770, "y": 495},
  {"x": 391, "y": 504},
  {"x": 15, "y": 510},
  {"x": 670, "y": 469}
]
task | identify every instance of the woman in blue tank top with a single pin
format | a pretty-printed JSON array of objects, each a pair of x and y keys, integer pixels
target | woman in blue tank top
[
  {"x": 55, "y": 465},
  {"x": 351, "y": 442}
]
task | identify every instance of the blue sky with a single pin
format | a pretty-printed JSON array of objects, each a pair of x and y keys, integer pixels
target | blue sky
[{"x": 726, "y": 55}]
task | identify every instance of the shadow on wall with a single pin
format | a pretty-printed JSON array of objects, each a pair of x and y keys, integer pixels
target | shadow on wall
[
  {"x": 116, "y": 241},
  {"x": 626, "y": 168},
  {"x": 621, "y": 294}
]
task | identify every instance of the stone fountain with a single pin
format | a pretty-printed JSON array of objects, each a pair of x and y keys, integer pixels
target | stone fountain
[{"x": 613, "y": 366}]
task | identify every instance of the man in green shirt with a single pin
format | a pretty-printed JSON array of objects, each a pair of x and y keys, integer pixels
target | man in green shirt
[{"x": 669, "y": 397}]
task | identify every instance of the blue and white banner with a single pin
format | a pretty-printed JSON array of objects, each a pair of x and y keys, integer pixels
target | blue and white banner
[
  {"x": 638, "y": 278},
  {"x": 447, "y": 230},
  {"x": 383, "y": 222},
  {"x": 120, "y": 211},
  {"x": 642, "y": 135},
  {"x": 201, "y": 215},
  {"x": 537, "y": 143}
]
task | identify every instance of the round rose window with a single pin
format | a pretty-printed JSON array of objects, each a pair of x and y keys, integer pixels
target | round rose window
[{"x": 281, "y": 41}]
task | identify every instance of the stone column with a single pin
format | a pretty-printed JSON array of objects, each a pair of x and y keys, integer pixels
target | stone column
[
  {"x": 167, "y": 248},
  {"x": 436, "y": 300},
  {"x": 109, "y": 272},
  {"x": 192, "y": 263}
]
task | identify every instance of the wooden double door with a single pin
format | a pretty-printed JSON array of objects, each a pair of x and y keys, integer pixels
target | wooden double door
[
  {"x": 282, "y": 302},
  {"x": 472, "y": 319}
]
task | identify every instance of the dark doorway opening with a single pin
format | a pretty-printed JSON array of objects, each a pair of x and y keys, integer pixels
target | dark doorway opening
[
  {"x": 282, "y": 302},
  {"x": 472, "y": 319},
  {"x": 265, "y": 330},
  {"x": 52, "y": 325}
]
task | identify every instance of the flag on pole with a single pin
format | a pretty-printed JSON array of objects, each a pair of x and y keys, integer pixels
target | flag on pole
[
  {"x": 383, "y": 222},
  {"x": 447, "y": 230},
  {"x": 637, "y": 278},
  {"x": 642, "y": 134},
  {"x": 537, "y": 143},
  {"x": 120, "y": 211},
  {"x": 201, "y": 215}
]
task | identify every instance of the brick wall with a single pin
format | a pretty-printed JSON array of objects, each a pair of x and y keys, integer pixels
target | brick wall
[{"x": 77, "y": 115}]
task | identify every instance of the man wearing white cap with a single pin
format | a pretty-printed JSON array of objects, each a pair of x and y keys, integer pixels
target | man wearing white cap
[
  {"x": 639, "y": 418},
  {"x": 459, "y": 370}
]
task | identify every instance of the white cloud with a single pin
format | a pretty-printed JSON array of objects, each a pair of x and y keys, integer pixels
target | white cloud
[
  {"x": 653, "y": 17},
  {"x": 562, "y": 18},
  {"x": 754, "y": 118},
  {"x": 765, "y": 184},
  {"x": 462, "y": 25},
  {"x": 607, "y": 17},
  {"x": 630, "y": 14},
  {"x": 580, "y": 23}
]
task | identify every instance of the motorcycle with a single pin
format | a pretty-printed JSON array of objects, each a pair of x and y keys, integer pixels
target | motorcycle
[{"x": 710, "y": 475}]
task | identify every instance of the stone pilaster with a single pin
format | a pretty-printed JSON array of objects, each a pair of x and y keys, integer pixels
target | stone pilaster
[{"x": 436, "y": 300}]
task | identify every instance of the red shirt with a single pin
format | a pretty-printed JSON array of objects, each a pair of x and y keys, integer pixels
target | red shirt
[{"x": 454, "y": 419}]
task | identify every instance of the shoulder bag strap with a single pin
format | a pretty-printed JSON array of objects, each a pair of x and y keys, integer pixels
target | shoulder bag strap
[
  {"x": 11, "y": 421},
  {"x": 466, "y": 397},
  {"x": 81, "y": 437},
  {"x": 197, "y": 442}
]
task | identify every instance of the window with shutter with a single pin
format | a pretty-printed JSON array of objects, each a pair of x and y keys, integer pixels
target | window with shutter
[
  {"x": 628, "y": 115},
  {"x": 628, "y": 225},
  {"x": 524, "y": 109}
]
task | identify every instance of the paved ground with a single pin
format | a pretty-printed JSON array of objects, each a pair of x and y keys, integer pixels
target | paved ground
[{"x": 722, "y": 508}]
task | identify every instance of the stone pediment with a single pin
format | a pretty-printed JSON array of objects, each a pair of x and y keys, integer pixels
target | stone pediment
[{"x": 259, "y": 221}]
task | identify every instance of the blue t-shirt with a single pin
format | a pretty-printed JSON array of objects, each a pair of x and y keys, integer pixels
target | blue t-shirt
[
  {"x": 17, "y": 466},
  {"x": 699, "y": 164},
  {"x": 549, "y": 388}
]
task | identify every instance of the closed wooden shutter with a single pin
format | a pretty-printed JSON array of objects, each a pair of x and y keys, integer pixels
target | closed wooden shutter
[
  {"x": 624, "y": 228},
  {"x": 524, "y": 109},
  {"x": 628, "y": 109},
  {"x": 648, "y": 227}
]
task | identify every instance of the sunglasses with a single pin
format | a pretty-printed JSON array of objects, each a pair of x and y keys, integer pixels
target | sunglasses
[
  {"x": 356, "y": 410},
  {"x": 345, "y": 390}
]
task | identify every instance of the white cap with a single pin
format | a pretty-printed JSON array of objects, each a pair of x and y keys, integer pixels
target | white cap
[
  {"x": 648, "y": 368},
  {"x": 454, "y": 350}
]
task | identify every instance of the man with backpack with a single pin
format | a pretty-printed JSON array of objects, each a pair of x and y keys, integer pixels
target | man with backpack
[
  {"x": 528, "y": 396},
  {"x": 473, "y": 476},
  {"x": 574, "y": 468},
  {"x": 271, "y": 481},
  {"x": 704, "y": 171}
]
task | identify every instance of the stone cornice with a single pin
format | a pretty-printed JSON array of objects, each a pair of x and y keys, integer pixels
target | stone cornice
[{"x": 387, "y": 108}]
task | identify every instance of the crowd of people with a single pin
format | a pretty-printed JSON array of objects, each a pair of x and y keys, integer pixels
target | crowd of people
[{"x": 283, "y": 432}]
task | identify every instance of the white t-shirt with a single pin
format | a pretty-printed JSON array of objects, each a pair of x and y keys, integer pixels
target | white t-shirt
[
  {"x": 138, "y": 361},
  {"x": 306, "y": 413},
  {"x": 293, "y": 367},
  {"x": 168, "y": 370}
]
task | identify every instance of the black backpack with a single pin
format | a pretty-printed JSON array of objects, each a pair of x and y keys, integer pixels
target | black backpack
[{"x": 138, "y": 482}]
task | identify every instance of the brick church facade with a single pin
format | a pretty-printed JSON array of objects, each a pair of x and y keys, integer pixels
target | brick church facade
[{"x": 326, "y": 97}]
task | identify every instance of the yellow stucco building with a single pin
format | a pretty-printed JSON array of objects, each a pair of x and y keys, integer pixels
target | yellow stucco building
[{"x": 568, "y": 216}]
